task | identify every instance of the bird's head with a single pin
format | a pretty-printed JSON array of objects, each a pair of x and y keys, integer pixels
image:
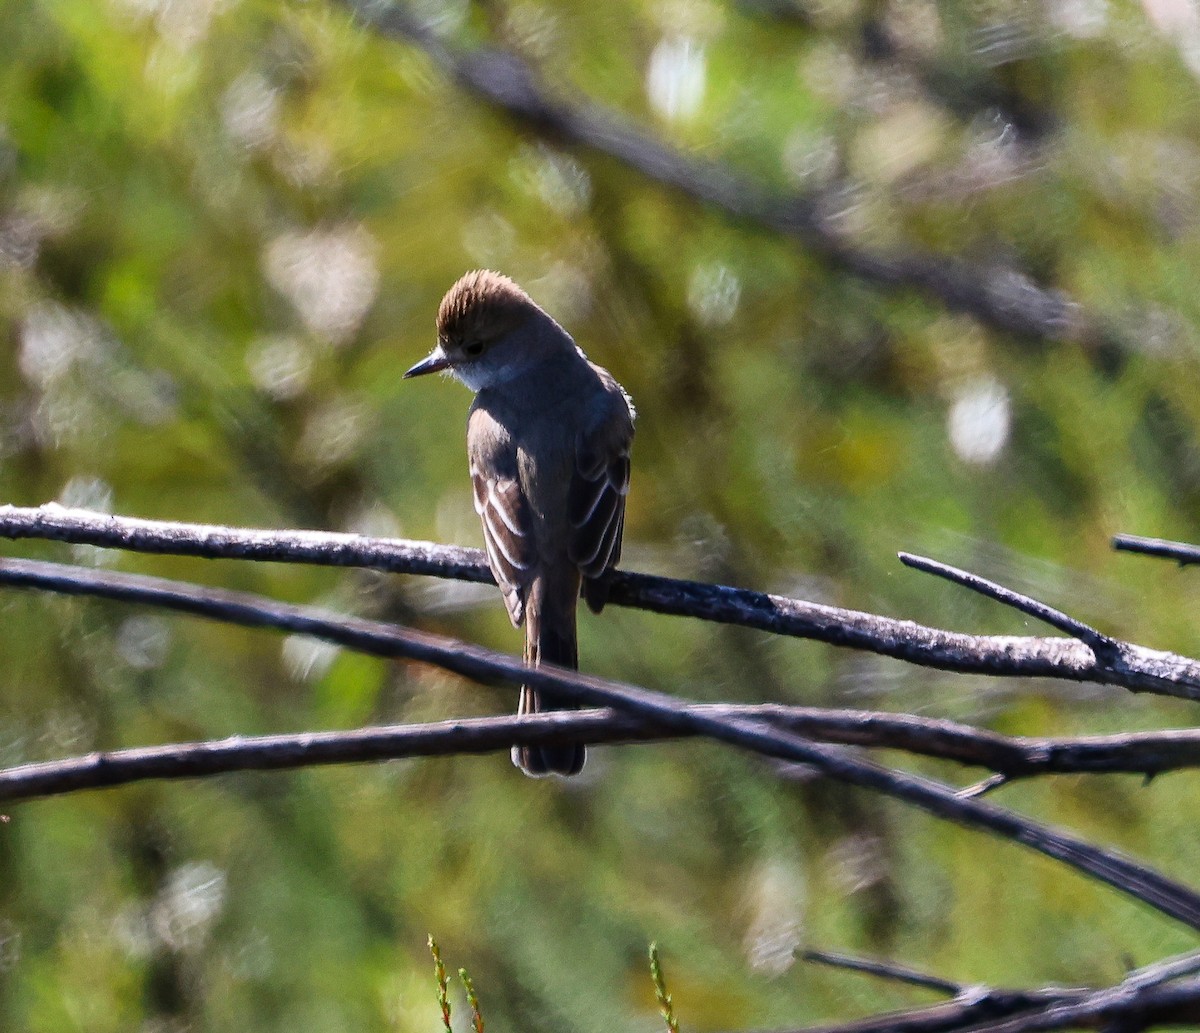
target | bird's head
[{"x": 488, "y": 331}]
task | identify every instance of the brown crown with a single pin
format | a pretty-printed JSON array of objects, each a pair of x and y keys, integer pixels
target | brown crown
[{"x": 482, "y": 305}]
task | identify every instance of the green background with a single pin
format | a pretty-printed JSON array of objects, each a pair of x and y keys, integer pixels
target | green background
[{"x": 224, "y": 230}]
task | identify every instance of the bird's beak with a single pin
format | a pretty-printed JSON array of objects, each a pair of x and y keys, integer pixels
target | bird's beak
[{"x": 434, "y": 362}]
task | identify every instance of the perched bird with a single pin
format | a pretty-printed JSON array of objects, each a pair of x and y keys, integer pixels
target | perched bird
[{"x": 548, "y": 440}]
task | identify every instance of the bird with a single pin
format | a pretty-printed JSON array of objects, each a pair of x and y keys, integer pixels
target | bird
[{"x": 548, "y": 442}]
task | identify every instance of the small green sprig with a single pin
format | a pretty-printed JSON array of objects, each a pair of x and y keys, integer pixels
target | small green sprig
[
  {"x": 443, "y": 995},
  {"x": 665, "y": 1005},
  {"x": 472, "y": 1000}
]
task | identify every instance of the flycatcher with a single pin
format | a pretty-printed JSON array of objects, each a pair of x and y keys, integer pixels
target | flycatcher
[{"x": 548, "y": 440}]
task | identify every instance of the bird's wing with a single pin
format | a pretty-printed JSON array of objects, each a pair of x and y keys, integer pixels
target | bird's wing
[
  {"x": 504, "y": 512},
  {"x": 599, "y": 484}
]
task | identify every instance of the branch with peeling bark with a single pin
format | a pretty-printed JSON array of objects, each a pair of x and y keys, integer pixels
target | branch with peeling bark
[{"x": 1126, "y": 665}]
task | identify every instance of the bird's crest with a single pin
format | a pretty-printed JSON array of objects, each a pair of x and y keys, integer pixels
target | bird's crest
[{"x": 482, "y": 305}]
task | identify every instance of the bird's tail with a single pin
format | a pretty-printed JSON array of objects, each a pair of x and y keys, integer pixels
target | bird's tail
[{"x": 549, "y": 639}]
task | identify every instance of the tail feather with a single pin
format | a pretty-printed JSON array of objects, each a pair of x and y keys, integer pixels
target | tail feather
[{"x": 550, "y": 639}]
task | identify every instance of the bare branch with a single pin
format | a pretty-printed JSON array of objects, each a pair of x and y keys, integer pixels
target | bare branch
[
  {"x": 1130, "y": 1004},
  {"x": 489, "y": 668},
  {"x": 1144, "y": 753},
  {"x": 1118, "y": 1008},
  {"x": 57, "y": 523},
  {"x": 1163, "y": 971},
  {"x": 966, "y": 1014},
  {"x": 103, "y": 770},
  {"x": 1132, "y": 667},
  {"x": 884, "y": 970},
  {"x": 1101, "y": 645},
  {"x": 1027, "y": 1011},
  {"x": 1180, "y": 552},
  {"x": 1001, "y": 297}
]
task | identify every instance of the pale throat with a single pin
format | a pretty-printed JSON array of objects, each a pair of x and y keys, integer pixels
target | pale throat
[
  {"x": 480, "y": 375},
  {"x": 485, "y": 375}
]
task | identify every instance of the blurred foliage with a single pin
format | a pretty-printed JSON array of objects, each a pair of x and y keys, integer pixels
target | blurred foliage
[{"x": 224, "y": 229}]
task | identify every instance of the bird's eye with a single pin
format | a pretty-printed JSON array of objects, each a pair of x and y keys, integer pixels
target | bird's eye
[{"x": 474, "y": 348}]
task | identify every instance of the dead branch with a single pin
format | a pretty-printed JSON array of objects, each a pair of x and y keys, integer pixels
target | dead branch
[
  {"x": 1101, "y": 645},
  {"x": 883, "y": 970},
  {"x": 1029, "y": 1011},
  {"x": 1141, "y": 1000},
  {"x": 1146, "y": 753},
  {"x": 1180, "y": 552},
  {"x": 490, "y": 668},
  {"x": 1128, "y": 666}
]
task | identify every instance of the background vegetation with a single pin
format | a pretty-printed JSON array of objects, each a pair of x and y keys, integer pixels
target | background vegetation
[{"x": 224, "y": 229}]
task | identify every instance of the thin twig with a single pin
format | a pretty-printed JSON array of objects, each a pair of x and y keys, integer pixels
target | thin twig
[
  {"x": 1180, "y": 552},
  {"x": 1134, "y": 667},
  {"x": 883, "y": 969},
  {"x": 1100, "y": 644},
  {"x": 489, "y": 668}
]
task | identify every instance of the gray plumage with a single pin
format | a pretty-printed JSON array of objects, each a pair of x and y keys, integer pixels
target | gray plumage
[{"x": 548, "y": 440}]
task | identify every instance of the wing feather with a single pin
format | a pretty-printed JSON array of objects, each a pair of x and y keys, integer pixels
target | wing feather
[
  {"x": 596, "y": 472},
  {"x": 504, "y": 513},
  {"x": 596, "y": 496}
]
